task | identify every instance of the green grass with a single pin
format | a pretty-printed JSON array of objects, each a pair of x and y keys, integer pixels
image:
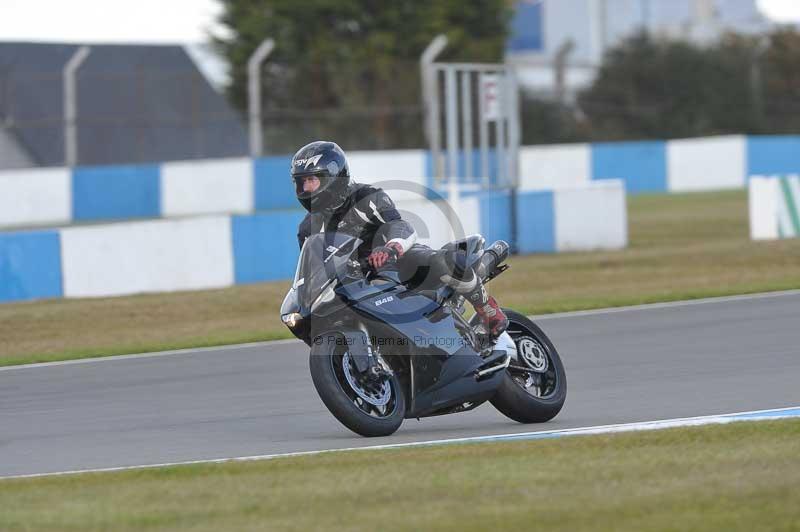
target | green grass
[
  {"x": 743, "y": 476},
  {"x": 682, "y": 246}
]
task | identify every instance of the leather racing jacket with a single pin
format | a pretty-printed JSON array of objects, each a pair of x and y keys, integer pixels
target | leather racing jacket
[{"x": 368, "y": 213}]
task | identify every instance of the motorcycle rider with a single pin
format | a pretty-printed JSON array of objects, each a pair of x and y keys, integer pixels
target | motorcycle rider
[{"x": 323, "y": 187}]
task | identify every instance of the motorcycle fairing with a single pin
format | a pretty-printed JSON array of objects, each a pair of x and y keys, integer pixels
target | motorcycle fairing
[
  {"x": 443, "y": 363},
  {"x": 438, "y": 385}
]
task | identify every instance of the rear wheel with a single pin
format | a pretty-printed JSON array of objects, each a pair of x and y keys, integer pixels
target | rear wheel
[
  {"x": 534, "y": 387},
  {"x": 368, "y": 408}
]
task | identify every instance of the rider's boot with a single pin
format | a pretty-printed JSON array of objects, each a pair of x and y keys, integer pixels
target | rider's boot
[
  {"x": 492, "y": 317},
  {"x": 469, "y": 284}
]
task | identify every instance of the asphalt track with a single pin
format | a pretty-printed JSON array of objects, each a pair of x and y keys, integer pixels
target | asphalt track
[{"x": 623, "y": 365}]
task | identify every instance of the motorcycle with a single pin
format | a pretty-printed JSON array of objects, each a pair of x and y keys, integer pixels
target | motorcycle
[{"x": 381, "y": 352}]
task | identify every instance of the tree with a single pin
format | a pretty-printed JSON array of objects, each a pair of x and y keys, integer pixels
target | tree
[
  {"x": 348, "y": 69},
  {"x": 650, "y": 88},
  {"x": 781, "y": 82},
  {"x": 658, "y": 89}
]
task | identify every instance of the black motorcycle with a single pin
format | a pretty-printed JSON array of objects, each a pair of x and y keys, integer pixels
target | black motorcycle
[{"x": 381, "y": 352}]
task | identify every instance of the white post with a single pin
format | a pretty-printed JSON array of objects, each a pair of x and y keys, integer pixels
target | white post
[
  {"x": 451, "y": 130},
  {"x": 430, "y": 99},
  {"x": 71, "y": 105},
  {"x": 254, "y": 95},
  {"x": 597, "y": 26}
]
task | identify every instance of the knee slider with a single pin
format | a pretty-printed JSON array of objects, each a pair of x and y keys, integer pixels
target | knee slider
[{"x": 452, "y": 272}]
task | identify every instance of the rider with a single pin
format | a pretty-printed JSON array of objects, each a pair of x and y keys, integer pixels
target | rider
[{"x": 323, "y": 187}]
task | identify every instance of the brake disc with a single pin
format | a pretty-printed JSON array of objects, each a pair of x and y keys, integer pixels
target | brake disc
[{"x": 379, "y": 397}]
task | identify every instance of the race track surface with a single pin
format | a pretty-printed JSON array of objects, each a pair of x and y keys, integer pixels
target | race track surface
[{"x": 637, "y": 364}]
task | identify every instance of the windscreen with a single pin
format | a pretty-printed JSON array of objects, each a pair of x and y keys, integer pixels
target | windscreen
[{"x": 324, "y": 257}]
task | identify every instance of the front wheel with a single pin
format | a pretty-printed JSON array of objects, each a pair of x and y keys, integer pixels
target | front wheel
[
  {"x": 534, "y": 387},
  {"x": 367, "y": 408}
]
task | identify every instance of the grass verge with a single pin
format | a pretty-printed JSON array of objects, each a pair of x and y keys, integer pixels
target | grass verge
[
  {"x": 743, "y": 476},
  {"x": 682, "y": 246}
]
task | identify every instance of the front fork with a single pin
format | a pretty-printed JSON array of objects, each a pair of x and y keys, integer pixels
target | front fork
[{"x": 366, "y": 359}]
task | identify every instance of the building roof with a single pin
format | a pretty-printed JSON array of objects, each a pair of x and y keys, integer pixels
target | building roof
[{"x": 136, "y": 104}]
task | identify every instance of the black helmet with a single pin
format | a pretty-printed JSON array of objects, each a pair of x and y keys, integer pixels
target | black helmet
[{"x": 327, "y": 161}]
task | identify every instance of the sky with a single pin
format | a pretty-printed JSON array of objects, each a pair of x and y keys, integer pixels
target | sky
[
  {"x": 162, "y": 21},
  {"x": 108, "y": 21},
  {"x": 781, "y": 10}
]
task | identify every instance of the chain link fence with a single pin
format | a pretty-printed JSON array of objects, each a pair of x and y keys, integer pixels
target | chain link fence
[
  {"x": 138, "y": 116},
  {"x": 149, "y": 115}
]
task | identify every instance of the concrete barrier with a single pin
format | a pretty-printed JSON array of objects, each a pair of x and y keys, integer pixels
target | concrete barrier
[
  {"x": 265, "y": 246},
  {"x": 592, "y": 217},
  {"x": 30, "y": 265},
  {"x": 774, "y": 205},
  {"x": 30, "y": 198},
  {"x": 641, "y": 165},
  {"x": 431, "y": 219},
  {"x": 706, "y": 164},
  {"x": 35, "y": 197},
  {"x": 217, "y": 251},
  {"x": 556, "y": 166},
  {"x": 405, "y": 166},
  {"x": 151, "y": 256},
  {"x": 773, "y": 155},
  {"x": 116, "y": 192},
  {"x": 573, "y": 219},
  {"x": 220, "y": 186}
]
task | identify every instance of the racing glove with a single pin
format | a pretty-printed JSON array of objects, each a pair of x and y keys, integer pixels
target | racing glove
[{"x": 383, "y": 254}]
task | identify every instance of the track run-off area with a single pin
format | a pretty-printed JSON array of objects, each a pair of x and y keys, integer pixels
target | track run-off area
[{"x": 673, "y": 361}]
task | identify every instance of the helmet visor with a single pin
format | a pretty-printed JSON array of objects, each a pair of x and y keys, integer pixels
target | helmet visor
[{"x": 309, "y": 185}]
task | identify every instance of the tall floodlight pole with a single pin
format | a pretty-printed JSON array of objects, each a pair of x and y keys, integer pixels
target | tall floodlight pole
[
  {"x": 430, "y": 99},
  {"x": 254, "y": 95},
  {"x": 71, "y": 105}
]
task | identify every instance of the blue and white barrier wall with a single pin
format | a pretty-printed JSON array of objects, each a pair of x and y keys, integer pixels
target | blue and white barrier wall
[
  {"x": 148, "y": 256},
  {"x": 685, "y": 165},
  {"x": 578, "y": 218},
  {"x": 573, "y": 219},
  {"x": 774, "y": 204},
  {"x": 59, "y": 196},
  {"x": 706, "y": 164},
  {"x": 645, "y": 167},
  {"x": 216, "y": 251},
  {"x": 35, "y": 197},
  {"x": 165, "y": 255}
]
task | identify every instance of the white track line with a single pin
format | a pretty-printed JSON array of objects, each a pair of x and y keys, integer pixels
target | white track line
[
  {"x": 187, "y": 351},
  {"x": 669, "y": 304},
  {"x": 756, "y": 415},
  {"x": 541, "y": 317}
]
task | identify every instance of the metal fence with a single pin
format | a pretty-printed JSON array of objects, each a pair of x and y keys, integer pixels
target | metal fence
[
  {"x": 151, "y": 115},
  {"x": 119, "y": 117},
  {"x": 363, "y": 107}
]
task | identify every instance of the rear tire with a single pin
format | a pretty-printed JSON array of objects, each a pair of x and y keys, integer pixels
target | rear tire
[
  {"x": 341, "y": 399},
  {"x": 516, "y": 401}
]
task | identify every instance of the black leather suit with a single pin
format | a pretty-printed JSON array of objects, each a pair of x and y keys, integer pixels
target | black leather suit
[{"x": 370, "y": 214}]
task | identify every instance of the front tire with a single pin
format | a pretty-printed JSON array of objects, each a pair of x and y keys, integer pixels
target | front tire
[
  {"x": 534, "y": 387},
  {"x": 340, "y": 393}
]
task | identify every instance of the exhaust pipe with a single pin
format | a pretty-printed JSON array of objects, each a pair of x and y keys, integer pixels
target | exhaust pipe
[{"x": 494, "y": 369}]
